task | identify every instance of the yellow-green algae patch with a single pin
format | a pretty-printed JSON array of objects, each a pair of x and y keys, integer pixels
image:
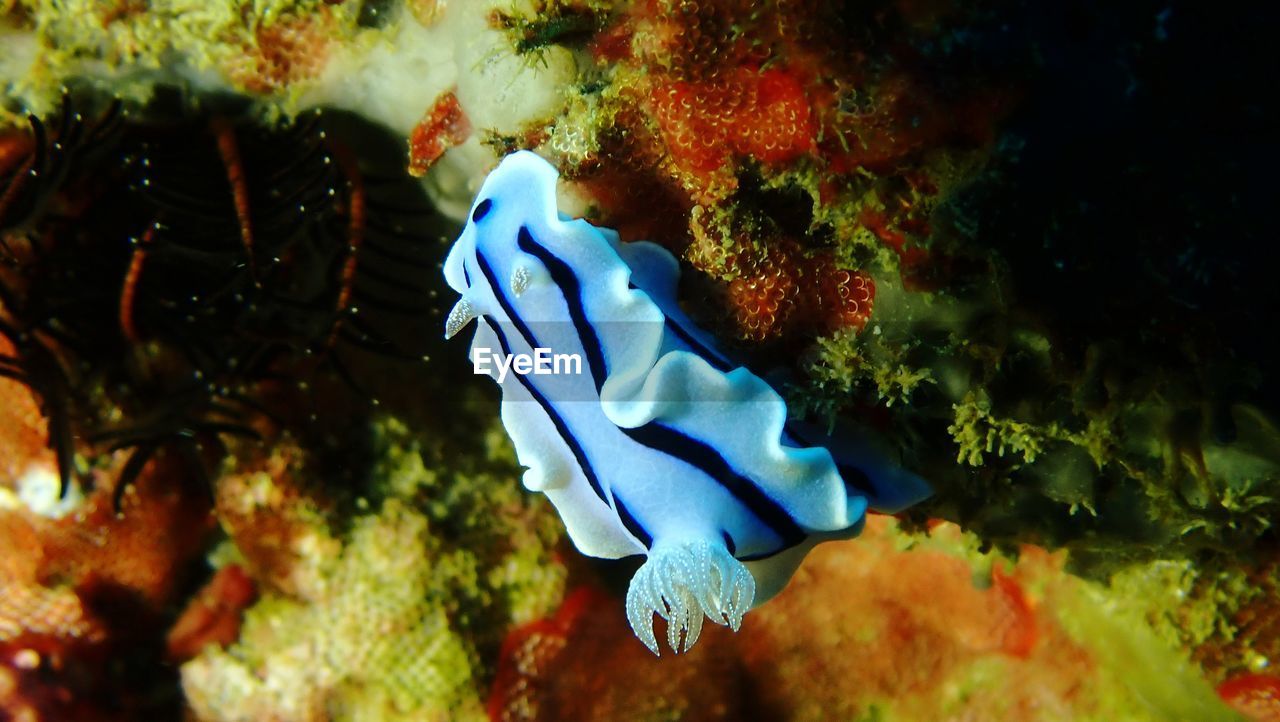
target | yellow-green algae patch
[
  {"x": 263, "y": 46},
  {"x": 1136, "y": 631},
  {"x": 1163, "y": 684},
  {"x": 410, "y": 604}
]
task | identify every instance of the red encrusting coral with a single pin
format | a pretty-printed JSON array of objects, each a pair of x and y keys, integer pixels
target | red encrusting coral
[
  {"x": 213, "y": 616},
  {"x": 1256, "y": 696},
  {"x": 839, "y": 102},
  {"x": 742, "y": 111},
  {"x": 568, "y": 668},
  {"x": 763, "y": 297},
  {"x": 530, "y": 650},
  {"x": 776, "y": 290},
  {"x": 786, "y": 292},
  {"x": 23, "y": 429},
  {"x": 1020, "y": 635},
  {"x": 164, "y": 524},
  {"x": 844, "y": 298},
  {"x": 83, "y": 599},
  {"x": 443, "y": 126}
]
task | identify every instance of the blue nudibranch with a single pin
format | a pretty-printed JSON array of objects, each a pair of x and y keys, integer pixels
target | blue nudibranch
[{"x": 659, "y": 444}]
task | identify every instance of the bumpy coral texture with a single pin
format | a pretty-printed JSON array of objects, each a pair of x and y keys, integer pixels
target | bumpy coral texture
[
  {"x": 22, "y": 426},
  {"x": 266, "y": 47},
  {"x": 83, "y": 599},
  {"x": 761, "y": 114},
  {"x": 905, "y": 628},
  {"x": 900, "y": 172},
  {"x": 393, "y": 618},
  {"x": 728, "y": 108}
]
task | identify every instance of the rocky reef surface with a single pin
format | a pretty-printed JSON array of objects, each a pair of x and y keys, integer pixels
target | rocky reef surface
[{"x": 1025, "y": 247}]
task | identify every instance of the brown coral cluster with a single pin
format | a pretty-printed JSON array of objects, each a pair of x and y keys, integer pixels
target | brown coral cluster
[{"x": 713, "y": 106}]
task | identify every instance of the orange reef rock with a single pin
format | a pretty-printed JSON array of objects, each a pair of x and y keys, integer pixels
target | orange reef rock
[
  {"x": 213, "y": 616},
  {"x": 22, "y": 427},
  {"x": 83, "y": 600},
  {"x": 883, "y": 627},
  {"x": 1256, "y": 696}
]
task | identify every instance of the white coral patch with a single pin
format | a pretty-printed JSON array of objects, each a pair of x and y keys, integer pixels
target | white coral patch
[
  {"x": 40, "y": 490},
  {"x": 683, "y": 583}
]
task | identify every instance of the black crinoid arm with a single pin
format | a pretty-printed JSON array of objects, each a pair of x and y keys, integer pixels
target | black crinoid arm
[{"x": 178, "y": 275}]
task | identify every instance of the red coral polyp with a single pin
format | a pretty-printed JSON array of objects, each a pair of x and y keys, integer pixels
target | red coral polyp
[
  {"x": 442, "y": 127},
  {"x": 764, "y": 300},
  {"x": 844, "y": 298},
  {"x": 782, "y": 127},
  {"x": 762, "y": 114},
  {"x": 784, "y": 291}
]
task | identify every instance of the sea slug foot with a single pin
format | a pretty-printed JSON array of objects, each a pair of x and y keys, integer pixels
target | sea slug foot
[{"x": 682, "y": 583}]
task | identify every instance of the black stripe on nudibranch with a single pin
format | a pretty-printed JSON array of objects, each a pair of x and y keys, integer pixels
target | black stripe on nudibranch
[
  {"x": 629, "y": 521},
  {"x": 708, "y": 354},
  {"x": 563, "y": 276},
  {"x": 631, "y": 524},
  {"x": 482, "y": 210},
  {"x": 561, "y": 427},
  {"x": 706, "y": 459},
  {"x": 712, "y": 356},
  {"x": 487, "y": 271}
]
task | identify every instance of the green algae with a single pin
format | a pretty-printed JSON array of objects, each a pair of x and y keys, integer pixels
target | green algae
[
  {"x": 1185, "y": 604},
  {"x": 126, "y": 48},
  {"x": 1162, "y": 685},
  {"x": 976, "y": 433}
]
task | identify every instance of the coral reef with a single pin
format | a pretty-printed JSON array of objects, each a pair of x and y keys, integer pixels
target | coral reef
[
  {"x": 1023, "y": 246},
  {"x": 390, "y": 616},
  {"x": 889, "y": 627},
  {"x": 86, "y": 598}
]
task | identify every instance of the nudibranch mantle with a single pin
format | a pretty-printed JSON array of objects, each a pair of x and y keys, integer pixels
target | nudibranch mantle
[{"x": 656, "y": 443}]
